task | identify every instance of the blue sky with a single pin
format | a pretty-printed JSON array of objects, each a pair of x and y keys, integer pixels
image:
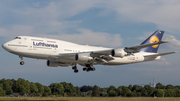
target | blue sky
[{"x": 115, "y": 23}]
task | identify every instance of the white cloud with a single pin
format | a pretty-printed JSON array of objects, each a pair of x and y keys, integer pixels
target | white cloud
[
  {"x": 162, "y": 61},
  {"x": 16, "y": 30},
  {"x": 145, "y": 36},
  {"x": 175, "y": 44},
  {"x": 163, "y": 13},
  {"x": 86, "y": 36}
]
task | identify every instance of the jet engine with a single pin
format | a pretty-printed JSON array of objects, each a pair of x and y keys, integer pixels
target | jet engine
[
  {"x": 52, "y": 63},
  {"x": 56, "y": 64},
  {"x": 118, "y": 52},
  {"x": 83, "y": 57}
]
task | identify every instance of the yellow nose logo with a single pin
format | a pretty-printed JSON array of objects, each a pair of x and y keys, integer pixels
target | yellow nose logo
[{"x": 154, "y": 39}]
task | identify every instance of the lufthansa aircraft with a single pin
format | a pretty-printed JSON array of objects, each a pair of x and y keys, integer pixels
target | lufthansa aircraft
[{"x": 64, "y": 54}]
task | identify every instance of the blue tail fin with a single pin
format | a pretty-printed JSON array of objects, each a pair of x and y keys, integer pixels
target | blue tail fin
[{"x": 155, "y": 37}]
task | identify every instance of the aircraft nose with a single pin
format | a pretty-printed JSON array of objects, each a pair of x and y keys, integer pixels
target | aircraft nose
[{"x": 5, "y": 45}]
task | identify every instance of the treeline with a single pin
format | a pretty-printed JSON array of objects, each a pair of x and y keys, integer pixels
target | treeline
[{"x": 9, "y": 86}]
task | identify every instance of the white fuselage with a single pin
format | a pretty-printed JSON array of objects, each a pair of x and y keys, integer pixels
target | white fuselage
[{"x": 45, "y": 48}]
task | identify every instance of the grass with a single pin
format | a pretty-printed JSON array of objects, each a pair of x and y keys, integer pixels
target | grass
[{"x": 93, "y": 98}]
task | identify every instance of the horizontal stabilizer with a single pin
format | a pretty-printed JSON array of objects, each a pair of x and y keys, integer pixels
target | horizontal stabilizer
[
  {"x": 135, "y": 48},
  {"x": 159, "y": 54},
  {"x": 147, "y": 45}
]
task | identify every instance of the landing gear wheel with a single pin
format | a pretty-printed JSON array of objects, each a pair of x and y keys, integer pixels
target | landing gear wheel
[
  {"x": 76, "y": 71},
  {"x": 22, "y": 63},
  {"x": 84, "y": 69},
  {"x": 89, "y": 67},
  {"x": 74, "y": 67},
  {"x": 93, "y": 69},
  {"x": 88, "y": 70}
]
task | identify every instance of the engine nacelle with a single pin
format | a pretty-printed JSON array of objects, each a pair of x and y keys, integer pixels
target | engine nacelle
[
  {"x": 118, "y": 53},
  {"x": 83, "y": 57},
  {"x": 52, "y": 63}
]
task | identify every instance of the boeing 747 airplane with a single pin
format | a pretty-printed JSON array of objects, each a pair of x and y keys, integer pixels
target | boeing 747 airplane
[{"x": 65, "y": 54}]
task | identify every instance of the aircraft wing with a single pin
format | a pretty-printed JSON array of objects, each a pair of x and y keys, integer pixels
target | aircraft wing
[
  {"x": 105, "y": 55},
  {"x": 98, "y": 55}
]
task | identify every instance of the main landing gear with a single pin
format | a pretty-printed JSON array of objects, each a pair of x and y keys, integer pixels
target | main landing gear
[
  {"x": 22, "y": 62},
  {"x": 75, "y": 69},
  {"x": 89, "y": 68}
]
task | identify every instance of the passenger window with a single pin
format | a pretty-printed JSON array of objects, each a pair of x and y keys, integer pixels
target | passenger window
[{"x": 17, "y": 38}]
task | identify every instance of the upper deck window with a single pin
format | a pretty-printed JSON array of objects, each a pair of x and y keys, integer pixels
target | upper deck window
[{"x": 17, "y": 38}]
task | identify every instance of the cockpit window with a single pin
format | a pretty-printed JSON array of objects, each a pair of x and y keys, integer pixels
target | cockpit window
[{"x": 17, "y": 38}]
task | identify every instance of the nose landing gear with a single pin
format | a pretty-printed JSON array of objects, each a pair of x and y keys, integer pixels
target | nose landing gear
[{"x": 22, "y": 62}]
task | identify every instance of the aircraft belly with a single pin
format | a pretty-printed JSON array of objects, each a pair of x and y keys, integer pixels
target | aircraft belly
[{"x": 126, "y": 60}]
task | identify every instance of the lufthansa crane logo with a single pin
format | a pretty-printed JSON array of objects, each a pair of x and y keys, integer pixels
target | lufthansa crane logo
[{"x": 154, "y": 39}]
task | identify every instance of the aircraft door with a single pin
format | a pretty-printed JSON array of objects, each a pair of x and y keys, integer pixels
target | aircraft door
[
  {"x": 30, "y": 47},
  {"x": 30, "y": 44},
  {"x": 54, "y": 50}
]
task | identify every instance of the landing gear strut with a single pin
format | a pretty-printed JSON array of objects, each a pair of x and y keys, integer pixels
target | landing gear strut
[
  {"x": 89, "y": 68},
  {"x": 22, "y": 62},
  {"x": 75, "y": 69}
]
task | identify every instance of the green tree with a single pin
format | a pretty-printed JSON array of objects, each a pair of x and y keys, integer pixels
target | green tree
[
  {"x": 112, "y": 93},
  {"x": 169, "y": 86},
  {"x": 90, "y": 88},
  {"x": 125, "y": 91},
  {"x": 137, "y": 88},
  {"x": 95, "y": 91},
  {"x": 89, "y": 92},
  {"x": 149, "y": 90},
  {"x": 33, "y": 88},
  {"x": 178, "y": 87},
  {"x": 119, "y": 91},
  {"x": 23, "y": 86},
  {"x": 78, "y": 92},
  {"x": 159, "y": 92},
  {"x": 103, "y": 90},
  {"x": 130, "y": 87},
  {"x": 170, "y": 93},
  {"x": 14, "y": 88},
  {"x": 2, "y": 92},
  {"x": 40, "y": 88},
  {"x": 72, "y": 90},
  {"x": 60, "y": 89},
  {"x": 66, "y": 87},
  {"x": 7, "y": 86},
  {"x": 144, "y": 92},
  {"x": 132, "y": 94},
  {"x": 111, "y": 88},
  {"x": 177, "y": 92},
  {"x": 57, "y": 88},
  {"x": 47, "y": 91},
  {"x": 160, "y": 86}
]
